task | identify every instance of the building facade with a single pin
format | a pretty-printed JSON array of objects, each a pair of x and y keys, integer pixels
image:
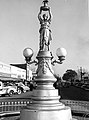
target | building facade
[{"x": 11, "y": 71}]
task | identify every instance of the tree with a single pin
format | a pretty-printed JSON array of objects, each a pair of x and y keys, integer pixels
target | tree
[{"x": 70, "y": 75}]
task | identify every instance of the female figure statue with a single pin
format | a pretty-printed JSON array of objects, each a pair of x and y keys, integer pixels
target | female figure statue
[{"x": 45, "y": 32}]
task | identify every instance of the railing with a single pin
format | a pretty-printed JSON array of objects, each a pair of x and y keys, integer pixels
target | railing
[
  {"x": 14, "y": 105},
  {"x": 79, "y": 108}
]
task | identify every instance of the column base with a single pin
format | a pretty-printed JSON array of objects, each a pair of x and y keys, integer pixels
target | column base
[{"x": 60, "y": 114}]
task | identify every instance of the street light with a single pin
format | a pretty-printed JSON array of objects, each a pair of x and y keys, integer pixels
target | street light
[
  {"x": 27, "y": 53},
  {"x": 45, "y": 103},
  {"x": 61, "y": 54}
]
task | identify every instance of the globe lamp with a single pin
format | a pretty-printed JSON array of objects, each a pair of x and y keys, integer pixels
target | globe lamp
[
  {"x": 61, "y": 53},
  {"x": 28, "y": 53}
]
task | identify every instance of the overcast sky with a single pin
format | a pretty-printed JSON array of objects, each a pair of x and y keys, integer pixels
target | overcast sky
[{"x": 19, "y": 28}]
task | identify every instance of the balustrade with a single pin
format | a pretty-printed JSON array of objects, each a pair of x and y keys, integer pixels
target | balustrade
[{"x": 15, "y": 105}]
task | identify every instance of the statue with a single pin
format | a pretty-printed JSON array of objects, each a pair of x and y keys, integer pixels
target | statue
[{"x": 45, "y": 32}]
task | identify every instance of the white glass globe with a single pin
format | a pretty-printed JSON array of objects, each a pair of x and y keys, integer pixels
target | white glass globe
[
  {"x": 28, "y": 52},
  {"x": 61, "y": 52}
]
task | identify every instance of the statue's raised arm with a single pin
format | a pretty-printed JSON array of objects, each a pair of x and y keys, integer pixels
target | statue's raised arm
[
  {"x": 39, "y": 15},
  {"x": 50, "y": 14}
]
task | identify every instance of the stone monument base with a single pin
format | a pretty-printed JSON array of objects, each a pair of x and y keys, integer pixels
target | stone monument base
[{"x": 61, "y": 114}]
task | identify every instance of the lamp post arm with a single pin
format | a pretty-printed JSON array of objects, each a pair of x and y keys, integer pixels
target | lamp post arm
[
  {"x": 34, "y": 61},
  {"x": 55, "y": 61}
]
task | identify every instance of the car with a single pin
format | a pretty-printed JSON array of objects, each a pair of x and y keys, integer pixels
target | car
[
  {"x": 85, "y": 87},
  {"x": 7, "y": 89},
  {"x": 78, "y": 84},
  {"x": 22, "y": 88}
]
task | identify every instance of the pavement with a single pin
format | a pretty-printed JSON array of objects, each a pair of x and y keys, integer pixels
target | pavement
[{"x": 23, "y": 95}]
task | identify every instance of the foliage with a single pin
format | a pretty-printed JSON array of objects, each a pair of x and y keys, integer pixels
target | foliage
[{"x": 70, "y": 75}]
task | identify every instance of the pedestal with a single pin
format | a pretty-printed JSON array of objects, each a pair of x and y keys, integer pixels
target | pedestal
[{"x": 61, "y": 114}]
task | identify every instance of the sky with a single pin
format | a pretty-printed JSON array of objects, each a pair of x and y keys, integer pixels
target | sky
[{"x": 19, "y": 28}]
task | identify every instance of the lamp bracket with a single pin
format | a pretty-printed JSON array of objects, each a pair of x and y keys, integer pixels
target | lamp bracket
[
  {"x": 34, "y": 61},
  {"x": 55, "y": 61}
]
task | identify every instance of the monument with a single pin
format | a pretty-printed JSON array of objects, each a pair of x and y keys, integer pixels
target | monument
[{"x": 45, "y": 102}]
